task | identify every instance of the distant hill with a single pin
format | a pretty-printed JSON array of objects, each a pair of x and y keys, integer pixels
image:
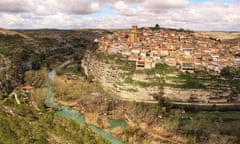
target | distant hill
[{"x": 220, "y": 35}]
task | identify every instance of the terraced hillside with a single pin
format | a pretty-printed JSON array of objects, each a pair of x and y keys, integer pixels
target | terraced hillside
[{"x": 119, "y": 75}]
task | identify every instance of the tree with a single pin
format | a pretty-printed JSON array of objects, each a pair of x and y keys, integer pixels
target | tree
[
  {"x": 2, "y": 95},
  {"x": 25, "y": 54},
  {"x": 157, "y": 26},
  {"x": 36, "y": 65},
  {"x": 225, "y": 72},
  {"x": 163, "y": 101}
]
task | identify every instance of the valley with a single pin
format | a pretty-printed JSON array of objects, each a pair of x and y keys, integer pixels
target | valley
[{"x": 134, "y": 106}]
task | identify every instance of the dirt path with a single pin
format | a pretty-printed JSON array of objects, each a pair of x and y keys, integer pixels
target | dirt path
[{"x": 15, "y": 96}]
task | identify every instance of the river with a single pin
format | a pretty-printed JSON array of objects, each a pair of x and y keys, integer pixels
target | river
[{"x": 72, "y": 114}]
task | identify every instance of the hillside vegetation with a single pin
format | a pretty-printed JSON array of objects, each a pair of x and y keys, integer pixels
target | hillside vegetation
[
  {"x": 23, "y": 124},
  {"x": 25, "y": 50},
  {"x": 22, "y": 51}
]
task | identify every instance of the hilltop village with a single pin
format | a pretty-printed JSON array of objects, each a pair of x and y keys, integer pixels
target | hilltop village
[{"x": 184, "y": 50}]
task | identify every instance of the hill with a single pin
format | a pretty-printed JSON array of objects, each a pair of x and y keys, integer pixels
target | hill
[{"x": 220, "y": 35}]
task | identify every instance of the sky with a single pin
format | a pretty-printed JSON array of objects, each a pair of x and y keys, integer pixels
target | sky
[{"x": 213, "y": 15}]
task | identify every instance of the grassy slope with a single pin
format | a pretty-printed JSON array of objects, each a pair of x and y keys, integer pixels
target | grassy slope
[{"x": 201, "y": 124}]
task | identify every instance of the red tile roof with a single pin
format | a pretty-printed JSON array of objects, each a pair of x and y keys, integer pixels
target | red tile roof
[{"x": 27, "y": 87}]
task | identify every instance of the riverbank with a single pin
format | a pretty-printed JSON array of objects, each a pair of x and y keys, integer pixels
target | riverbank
[
  {"x": 99, "y": 106},
  {"x": 146, "y": 121},
  {"x": 75, "y": 115}
]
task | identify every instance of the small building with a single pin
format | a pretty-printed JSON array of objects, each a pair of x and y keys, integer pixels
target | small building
[
  {"x": 116, "y": 48},
  {"x": 164, "y": 51},
  {"x": 133, "y": 58},
  {"x": 140, "y": 64},
  {"x": 214, "y": 67},
  {"x": 171, "y": 62},
  {"x": 146, "y": 63},
  {"x": 187, "y": 64},
  {"x": 135, "y": 51},
  {"x": 149, "y": 63},
  {"x": 28, "y": 89}
]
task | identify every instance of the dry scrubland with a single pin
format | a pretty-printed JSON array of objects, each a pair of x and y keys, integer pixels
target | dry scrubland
[{"x": 220, "y": 35}]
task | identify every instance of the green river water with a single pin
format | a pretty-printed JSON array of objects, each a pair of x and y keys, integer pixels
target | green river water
[{"x": 75, "y": 115}]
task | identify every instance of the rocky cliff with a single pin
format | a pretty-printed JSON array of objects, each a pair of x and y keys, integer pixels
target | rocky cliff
[
  {"x": 140, "y": 86},
  {"x": 112, "y": 78}
]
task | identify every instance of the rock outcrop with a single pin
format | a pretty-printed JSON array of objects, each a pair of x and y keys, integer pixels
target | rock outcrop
[{"x": 112, "y": 79}]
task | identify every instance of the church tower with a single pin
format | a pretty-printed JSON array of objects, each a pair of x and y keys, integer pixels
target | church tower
[{"x": 134, "y": 35}]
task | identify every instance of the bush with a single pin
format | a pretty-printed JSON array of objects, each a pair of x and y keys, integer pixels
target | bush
[
  {"x": 2, "y": 95},
  {"x": 225, "y": 72}
]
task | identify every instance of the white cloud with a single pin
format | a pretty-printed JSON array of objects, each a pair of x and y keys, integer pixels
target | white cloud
[
  {"x": 124, "y": 8},
  {"x": 80, "y": 6},
  {"x": 158, "y": 6},
  {"x": 16, "y": 6},
  {"x": 209, "y": 15},
  {"x": 50, "y": 7},
  {"x": 145, "y": 7},
  {"x": 212, "y": 15},
  {"x": 46, "y": 7}
]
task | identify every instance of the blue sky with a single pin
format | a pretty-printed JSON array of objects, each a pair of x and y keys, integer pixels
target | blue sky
[
  {"x": 210, "y": 0},
  {"x": 105, "y": 11},
  {"x": 189, "y": 14}
]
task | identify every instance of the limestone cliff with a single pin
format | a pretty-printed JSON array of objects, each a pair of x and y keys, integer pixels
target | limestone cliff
[
  {"x": 112, "y": 79},
  {"x": 143, "y": 87}
]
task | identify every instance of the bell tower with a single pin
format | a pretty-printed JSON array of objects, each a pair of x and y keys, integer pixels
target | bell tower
[{"x": 134, "y": 35}]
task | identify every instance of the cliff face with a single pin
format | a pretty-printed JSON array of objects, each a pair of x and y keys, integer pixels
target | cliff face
[
  {"x": 142, "y": 86},
  {"x": 112, "y": 78}
]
